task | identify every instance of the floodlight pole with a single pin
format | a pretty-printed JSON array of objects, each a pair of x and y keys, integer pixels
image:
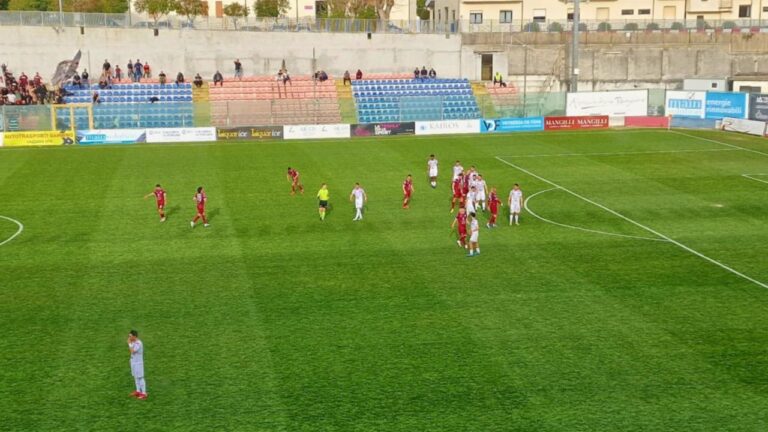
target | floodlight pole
[
  {"x": 61, "y": 15},
  {"x": 575, "y": 48}
]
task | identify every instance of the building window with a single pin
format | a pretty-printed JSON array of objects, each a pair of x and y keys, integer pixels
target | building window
[
  {"x": 627, "y": 11},
  {"x": 745, "y": 11},
  {"x": 539, "y": 15},
  {"x": 505, "y": 16},
  {"x": 570, "y": 16},
  {"x": 643, "y": 11},
  {"x": 475, "y": 17}
]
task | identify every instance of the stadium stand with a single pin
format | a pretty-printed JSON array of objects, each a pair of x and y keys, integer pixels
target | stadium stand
[
  {"x": 262, "y": 100},
  {"x": 385, "y": 100},
  {"x": 502, "y": 97},
  {"x": 132, "y": 106}
]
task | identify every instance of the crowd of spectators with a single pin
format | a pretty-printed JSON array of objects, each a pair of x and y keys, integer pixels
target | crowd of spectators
[
  {"x": 422, "y": 74},
  {"x": 23, "y": 90}
]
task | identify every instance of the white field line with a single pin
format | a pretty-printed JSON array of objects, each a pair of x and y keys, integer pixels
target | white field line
[
  {"x": 634, "y": 222},
  {"x": 620, "y": 153},
  {"x": 752, "y": 177},
  {"x": 721, "y": 143},
  {"x": 580, "y": 228},
  {"x": 21, "y": 228}
]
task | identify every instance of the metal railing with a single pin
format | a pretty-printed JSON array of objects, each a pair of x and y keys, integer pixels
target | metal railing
[{"x": 351, "y": 25}]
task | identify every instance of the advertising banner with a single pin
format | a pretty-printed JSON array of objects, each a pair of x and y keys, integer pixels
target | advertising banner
[
  {"x": 250, "y": 133},
  {"x": 651, "y": 122},
  {"x": 383, "y": 129},
  {"x": 316, "y": 131},
  {"x": 610, "y": 103},
  {"x": 512, "y": 125},
  {"x": 447, "y": 127},
  {"x": 588, "y": 122},
  {"x": 111, "y": 136},
  {"x": 758, "y": 107},
  {"x": 172, "y": 135},
  {"x": 685, "y": 103},
  {"x": 692, "y": 123},
  {"x": 1, "y": 139},
  {"x": 751, "y": 127},
  {"x": 719, "y": 105},
  {"x": 40, "y": 138}
]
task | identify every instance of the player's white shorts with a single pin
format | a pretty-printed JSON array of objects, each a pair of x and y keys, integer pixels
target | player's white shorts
[
  {"x": 470, "y": 207},
  {"x": 137, "y": 370},
  {"x": 480, "y": 196},
  {"x": 515, "y": 207},
  {"x": 433, "y": 172},
  {"x": 358, "y": 204},
  {"x": 473, "y": 237}
]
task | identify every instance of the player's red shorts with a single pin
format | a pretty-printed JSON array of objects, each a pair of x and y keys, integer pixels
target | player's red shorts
[
  {"x": 494, "y": 209},
  {"x": 407, "y": 194},
  {"x": 457, "y": 194},
  {"x": 201, "y": 209}
]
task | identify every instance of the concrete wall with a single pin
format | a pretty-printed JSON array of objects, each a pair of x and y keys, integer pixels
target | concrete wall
[{"x": 39, "y": 49}]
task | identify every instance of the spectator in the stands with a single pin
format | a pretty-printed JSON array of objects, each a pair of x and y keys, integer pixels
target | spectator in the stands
[
  {"x": 118, "y": 73},
  {"x": 498, "y": 80},
  {"x": 153, "y": 99},
  {"x": 198, "y": 81},
  {"x": 359, "y": 75},
  {"x": 42, "y": 93},
  {"x": 10, "y": 98},
  {"x": 76, "y": 80},
  {"x": 179, "y": 79},
  {"x": 286, "y": 77},
  {"x": 103, "y": 83},
  {"x": 432, "y": 73},
  {"x": 218, "y": 78},
  {"x": 416, "y": 73},
  {"x": 322, "y": 76},
  {"x": 424, "y": 73},
  {"x": 147, "y": 71},
  {"x": 95, "y": 98},
  {"x": 23, "y": 80},
  {"x": 129, "y": 71},
  {"x": 161, "y": 77},
  {"x": 138, "y": 71},
  {"x": 238, "y": 69},
  {"x": 85, "y": 76},
  {"x": 347, "y": 78},
  {"x": 37, "y": 80},
  {"x": 106, "y": 67}
]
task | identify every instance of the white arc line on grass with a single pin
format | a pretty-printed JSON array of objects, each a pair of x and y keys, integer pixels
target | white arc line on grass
[
  {"x": 21, "y": 228},
  {"x": 751, "y": 177},
  {"x": 634, "y": 222},
  {"x": 580, "y": 228},
  {"x": 621, "y": 153},
  {"x": 721, "y": 143}
]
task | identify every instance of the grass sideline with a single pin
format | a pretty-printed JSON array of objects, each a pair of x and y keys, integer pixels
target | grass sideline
[{"x": 273, "y": 321}]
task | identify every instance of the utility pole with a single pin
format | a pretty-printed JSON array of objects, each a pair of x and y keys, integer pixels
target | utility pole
[{"x": 575, "y": 48}]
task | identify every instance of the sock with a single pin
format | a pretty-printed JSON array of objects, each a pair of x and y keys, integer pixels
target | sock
[
  {"x": 470, "y": 252},
  {"x": 142, "y": 385},
  {"x": 359, "y": 215},
  {"x": 322, "y": 215},
  {"x": 517, "y": 218},
  {"x": 196, "y": 218},
  {"x": 136, "y": 381},
  {"x": 477, "y": 249},
  {"x": 162, "y": 214},
  {"x": 511, "y": 219}
]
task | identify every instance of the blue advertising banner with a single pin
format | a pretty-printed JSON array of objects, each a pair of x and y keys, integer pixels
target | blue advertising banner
[
  {"x": 111, "y": 136},
  {"x": 693, "y": 123},
  {"x": 719, "y": 105},
  {"x": 509, "y": 124}
]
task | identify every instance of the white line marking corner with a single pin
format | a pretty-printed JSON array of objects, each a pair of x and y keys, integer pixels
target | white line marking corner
[{"x": 19, "y": 231}]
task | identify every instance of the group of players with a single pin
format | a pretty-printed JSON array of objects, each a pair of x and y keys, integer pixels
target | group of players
[{"x": 470, "y": 194}]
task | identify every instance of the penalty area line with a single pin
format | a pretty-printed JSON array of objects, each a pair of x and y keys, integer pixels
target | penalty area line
[
  {"x": 752, "y": 177},
  {"x": 16, "y": 234},
  {"x": 638, "y": 224}
]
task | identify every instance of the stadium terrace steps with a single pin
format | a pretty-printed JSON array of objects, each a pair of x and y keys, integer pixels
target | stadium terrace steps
[
  {"x": 346, "y": 103},
  {"x": 484, "y": 101},
  {"x": 503, "y": 97},
  {"x": 129, "y": 106},
  {"x": 392, "y": 100},
  {"x": 257, "y": 101}
]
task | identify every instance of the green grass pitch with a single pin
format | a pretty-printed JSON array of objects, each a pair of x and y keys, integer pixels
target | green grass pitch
[{"x": 598, "y": 319}]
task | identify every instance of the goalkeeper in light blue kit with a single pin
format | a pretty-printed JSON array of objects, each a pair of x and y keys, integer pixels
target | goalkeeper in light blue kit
[{"x": 136, "y": 347}]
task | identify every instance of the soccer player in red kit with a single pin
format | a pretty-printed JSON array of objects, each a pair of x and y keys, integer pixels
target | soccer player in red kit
[
  {"x": 159, "y": 194},
  {"x": 407, "y": 191},
  {"x": 493, "y": 203},
  {"x": 295, "y": 179},
  {"x": 461, "y": 221},
  {"x": 458, "y": 192},
  {"x": 200, "y": 199}
]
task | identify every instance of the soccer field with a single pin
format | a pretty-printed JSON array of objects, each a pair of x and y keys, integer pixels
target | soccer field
[{"x": 632, "y": 297}]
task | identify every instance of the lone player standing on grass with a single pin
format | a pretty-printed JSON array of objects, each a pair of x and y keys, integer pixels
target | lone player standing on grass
[
  {"x": 136, "y": 347},
  {"x": 322, "y": 196},
  {"x": 407, "y": 191},
  {"x": 295, "y": 179},
  {"x": 200, "y": 199},
  {"x": 432, "y": 170},
  {"x": 360, "y": 198},
  {"x": 474, "y": 233},
  {"x": 515, "y": 204},
  {"x": 159, "y": 194}
]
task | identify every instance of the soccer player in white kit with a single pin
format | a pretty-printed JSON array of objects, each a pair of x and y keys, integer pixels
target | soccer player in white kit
[
  {"x": 515, "y": 204},
  {"x": 360, "y": 198},
  {"x": 432, "y": 170},
  {"x": 470, "y": 202},
  {"x": 458, "y": 170},
  {"x": 136, "y": 347},
  {"x": 482, "y": 190},
  {"x": 474, "y": 233}
]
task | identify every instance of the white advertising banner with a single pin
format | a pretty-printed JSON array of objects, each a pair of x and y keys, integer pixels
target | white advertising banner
[
  {"x": 608, "y": 103},
  {"x": 751, "y": 127},
  {"x": 316, "y": 131},
  {"x": 111, "y": 136},
  {"x": 685, "y": 103},
  {"x": 1, "y": 139},
  {"x": 171, "y": 135},
  {"x": 447, "y": 127}
]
